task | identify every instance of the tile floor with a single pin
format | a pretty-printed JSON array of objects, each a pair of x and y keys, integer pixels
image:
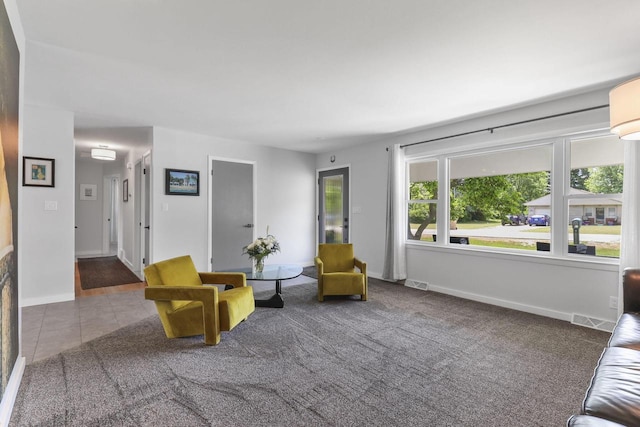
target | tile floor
[{"x": 52, "y": 328}]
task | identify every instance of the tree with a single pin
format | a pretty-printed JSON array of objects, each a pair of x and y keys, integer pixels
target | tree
[
  {"x": 605, "y": 179},
  {"x": 422, "y": 213},
  {"x": 487, "y": 197},
  {"x": 530, "y": 185},
  {"x": 578, "y": 178}
]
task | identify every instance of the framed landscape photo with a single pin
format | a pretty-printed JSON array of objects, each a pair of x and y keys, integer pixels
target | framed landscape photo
[
  {"x": 181, "y": 182},
  {"x": 38, "y": 172}
]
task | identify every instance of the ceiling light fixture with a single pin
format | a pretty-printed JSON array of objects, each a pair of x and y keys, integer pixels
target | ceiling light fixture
[
  {"x": 103, "y": 154},
  {"x": 624, "y": 109}
]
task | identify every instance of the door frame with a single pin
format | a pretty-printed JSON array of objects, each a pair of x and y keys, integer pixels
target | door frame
[
  {"x": 210, "y": 160},
  {"x": 107, "y": 188},
  {"x": 318, "y": 171},
  {"x": 141, "y": 209}
]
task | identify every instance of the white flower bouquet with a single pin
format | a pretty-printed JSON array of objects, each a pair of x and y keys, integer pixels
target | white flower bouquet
[{"x": 261, "y": 248}]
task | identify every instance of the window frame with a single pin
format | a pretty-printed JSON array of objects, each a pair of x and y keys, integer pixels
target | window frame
[{"x": 560, "y": 184}]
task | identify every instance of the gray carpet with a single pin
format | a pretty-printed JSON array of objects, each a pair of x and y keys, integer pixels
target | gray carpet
[{"x": 406, "y": 357}]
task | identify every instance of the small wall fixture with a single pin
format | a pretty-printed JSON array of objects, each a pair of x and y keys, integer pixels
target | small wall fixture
[
  {"x": 103, "y": 154},
  {"x": 624, "y": 109}
]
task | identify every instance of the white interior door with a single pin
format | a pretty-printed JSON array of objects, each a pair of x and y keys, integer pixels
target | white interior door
[
  {"x": 111, "y": 205},
  {"x": 145, "y": 212},
  {"x": 232, "y": 213}
]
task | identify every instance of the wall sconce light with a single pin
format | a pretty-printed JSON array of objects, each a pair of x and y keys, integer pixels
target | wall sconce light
[
  {"x": 624, "y": 109},
  {"x": 332, "y": 159},
  {"x": 103, "y": 154}
]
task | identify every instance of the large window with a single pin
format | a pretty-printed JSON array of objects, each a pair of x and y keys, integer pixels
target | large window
[
  {"x": 495, "y": 197},
  {"x": 504, "y": 198},
  {"x": 595, "y": 195}
]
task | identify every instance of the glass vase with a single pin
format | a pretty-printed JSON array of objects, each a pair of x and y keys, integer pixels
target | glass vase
[{"x": 258, "y": 265}]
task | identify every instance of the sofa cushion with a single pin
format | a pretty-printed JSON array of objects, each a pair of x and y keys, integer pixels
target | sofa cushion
[
  {"x": 614, "y": 393},
  {"x": 589, "y": 421},
  {"x": 627, "y": 332}
]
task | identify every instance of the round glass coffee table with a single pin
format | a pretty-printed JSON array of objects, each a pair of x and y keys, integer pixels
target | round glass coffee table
[{"x": 277, "y": 273}]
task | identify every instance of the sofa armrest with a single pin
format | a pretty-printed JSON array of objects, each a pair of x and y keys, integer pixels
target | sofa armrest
[
  {"x": 237, "y": 280},
  {"x": 631, "y": 290}
]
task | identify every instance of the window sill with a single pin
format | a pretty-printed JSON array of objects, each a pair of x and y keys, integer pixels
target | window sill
[{"x": 576, "y": 261}]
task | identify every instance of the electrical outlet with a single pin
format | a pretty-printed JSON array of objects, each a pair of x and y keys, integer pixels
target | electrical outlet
[{"x": 613, "y": 302}]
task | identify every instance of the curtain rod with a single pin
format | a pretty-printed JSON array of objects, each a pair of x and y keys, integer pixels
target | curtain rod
[{"x": 491, "y": 129}]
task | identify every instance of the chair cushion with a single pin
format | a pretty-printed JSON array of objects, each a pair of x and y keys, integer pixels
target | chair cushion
[
  {"x": 614, "y": 393},
  {"x": 178, "y": 271},
  {"x": 336, "y": 257},
  {"x": 627, "y": 332},
  {"x": 343, "y": 284},
  {"x": 234, "y": 306}
]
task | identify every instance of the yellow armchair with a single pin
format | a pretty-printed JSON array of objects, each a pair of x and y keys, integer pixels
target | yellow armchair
[
  {"x": 336, "y": 266},
  {"x": 186, "y": 307}
]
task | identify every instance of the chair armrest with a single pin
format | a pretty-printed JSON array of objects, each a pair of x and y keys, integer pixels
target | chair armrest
[
  {"x": 361, "y": 265},
  {"x": 182, "y": 293},
  {"x": 631, "y": 289},
  {"x": 319, "y": 266},
  {"x": 237, "y": 280},
  {"x": 207, "y": 295}
]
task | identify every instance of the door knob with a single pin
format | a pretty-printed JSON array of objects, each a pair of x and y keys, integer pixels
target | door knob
[{"x": 248, "y": 226}]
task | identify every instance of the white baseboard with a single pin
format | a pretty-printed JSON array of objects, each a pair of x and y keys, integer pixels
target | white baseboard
[
  {"x": 89, "y": 254},
  {"x": 27, "y": 302},
  {"x": 11, "y": 392},
  {"x": 496, "y": 301}
]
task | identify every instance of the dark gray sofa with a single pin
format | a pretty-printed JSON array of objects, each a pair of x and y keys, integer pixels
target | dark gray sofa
[{"x": 613, "y": 397}]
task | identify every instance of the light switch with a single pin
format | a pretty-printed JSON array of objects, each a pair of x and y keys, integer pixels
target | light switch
[
  {"x": 50, "y": 205},
  {"x": 165, "y": 207},
  {"x": 357, "y": 209}
]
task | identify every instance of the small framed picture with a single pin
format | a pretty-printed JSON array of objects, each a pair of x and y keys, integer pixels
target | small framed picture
[
  {"x": 38, "y": 172},
  {"x": 88, "y": 192},
  {"x": 125, "y": 190},
  {"x": 182, "y": 182}
]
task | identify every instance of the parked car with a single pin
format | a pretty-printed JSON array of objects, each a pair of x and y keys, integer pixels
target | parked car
[
  {"x": 512, "y": 220},
  {"x": 539, "y": 220}
]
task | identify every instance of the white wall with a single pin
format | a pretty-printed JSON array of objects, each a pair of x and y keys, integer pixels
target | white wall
[
  {"x": 46, "y": 253},
  {"x": 555, "y": 288},
  {"x": 285, "y": 197}
]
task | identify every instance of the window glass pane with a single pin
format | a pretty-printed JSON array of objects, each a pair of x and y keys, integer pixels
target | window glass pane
[
  {"x": 333, "y": 226},
  {"x": 423, "y": 195},
  {"x": 502, "y": 199},
  {"x": 595, "y": 197}
]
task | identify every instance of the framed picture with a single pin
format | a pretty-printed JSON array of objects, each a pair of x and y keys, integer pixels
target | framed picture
[
  {"x": 38, "y": 172},
  {"x": 125, "y": 190},
  {"x": 88, "y": 192},
  {"x": 182, "y": 182}
]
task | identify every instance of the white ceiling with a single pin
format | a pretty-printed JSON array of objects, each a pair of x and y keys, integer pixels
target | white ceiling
[{"x": 315, "y": 75}]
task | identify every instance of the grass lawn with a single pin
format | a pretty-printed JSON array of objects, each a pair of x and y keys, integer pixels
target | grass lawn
[
  {"x": 464, "y": 226},
  {"x": 585, "y": 229},
  {"x": 610, "y": 250}
]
